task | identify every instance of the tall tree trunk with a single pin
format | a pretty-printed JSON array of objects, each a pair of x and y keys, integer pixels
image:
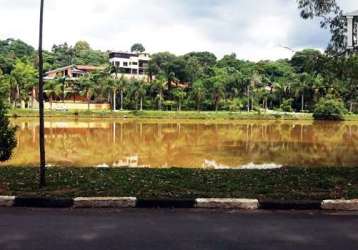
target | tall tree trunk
[
  {"x": 160, "y": 101},
  {"x": 114, "y": 99},
  {"x": 248, "y": 98},
  {"x": 302, "y": 102},
  {"x": 179, "y": 105},
  {"x": 351, "y": 107},
  {"x": 141, "y": 104},
  {"x": 88, "y": 102},
  {"x": 41, "y": 104},
  {"x": 32, "y": 98},
  {"x": 121, "y": 99}
]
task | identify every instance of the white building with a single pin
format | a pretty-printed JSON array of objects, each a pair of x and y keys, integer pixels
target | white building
[
  {"x": 130, "y": 64},
  {"x": 352, "y": 24}
]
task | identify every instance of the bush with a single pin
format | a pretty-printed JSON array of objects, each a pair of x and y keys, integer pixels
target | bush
[
  {"x": 7, "y": 135},
  {"x": 286, "y": 105},
  {"x": 329, "y": 109}
]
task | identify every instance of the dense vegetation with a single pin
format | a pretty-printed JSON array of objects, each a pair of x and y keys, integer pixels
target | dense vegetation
[
  {"x": 198, "y": 80},
  {"x": 194, "y": 81},
  {"x": 285, "y": 184},
  {"x": 7, "y": 135}
]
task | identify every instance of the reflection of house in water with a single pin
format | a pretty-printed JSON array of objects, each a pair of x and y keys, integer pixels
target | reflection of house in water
[{"x": 70, "y": 96}]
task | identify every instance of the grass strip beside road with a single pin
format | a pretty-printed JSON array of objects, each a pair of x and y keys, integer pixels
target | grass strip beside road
[{"x": 284, "y": 184}]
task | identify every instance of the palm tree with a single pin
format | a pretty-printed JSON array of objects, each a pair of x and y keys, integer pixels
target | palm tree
[
  {"x": 138, "y": 92},
  {"x": 301, "y": 86},
  {"x": 88, "y": 86},
  {"x": 159, "y": 86},
  {"x": 218, "y": 93},
  {"x": 180, "y": 95},
  {"x": 198, "y": 92},
  {"x": 53, "y": 88},
  {"x": 122, "y": 84},
  {"x": 41, "y": 104},
  {"x": 253, "y": 79}
]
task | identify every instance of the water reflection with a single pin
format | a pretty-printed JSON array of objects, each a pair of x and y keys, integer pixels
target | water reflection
[{"x": 180, "y": 143}]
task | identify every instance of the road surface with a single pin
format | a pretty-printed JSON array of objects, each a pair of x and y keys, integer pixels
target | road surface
[{"x": 37, "y": 229}]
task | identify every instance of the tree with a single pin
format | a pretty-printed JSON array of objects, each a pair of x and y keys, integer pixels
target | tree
[
  {"x": 301, "y": 88},
  {"x": 7, "y": 135},
  {"x": 122, "y": 84},
  {"x": 180, "y": 95},
  {"x": 329, "y": 109},
  {"x": 198, "y": 93},
  {"x": 331, "y": 17},
  {"x": 24, "y": 77},
  {"x": 159, "y": 85},
  {"x": 138, "y": 48},
  {"x": 81, "y": 46},
  {"x": 138, "y": 91},
  {"x": 88, "y": 86},
  {"x": 4, "y": 86},
  {"x": 53, "y": 88},
  {"x": 41, "y": 103}
]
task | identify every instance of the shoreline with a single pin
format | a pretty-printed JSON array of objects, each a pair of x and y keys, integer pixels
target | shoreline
[{"x": 190, "y": 115}]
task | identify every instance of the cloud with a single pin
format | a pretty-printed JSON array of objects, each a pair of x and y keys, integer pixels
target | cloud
[{"x": 253, "y": 29}]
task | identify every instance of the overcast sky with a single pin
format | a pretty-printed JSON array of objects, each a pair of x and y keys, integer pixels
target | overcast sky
[{"x": 253, "y": 29}]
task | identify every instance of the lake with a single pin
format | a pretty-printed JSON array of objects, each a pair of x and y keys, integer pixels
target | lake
[{"x": 187, "y": 143}]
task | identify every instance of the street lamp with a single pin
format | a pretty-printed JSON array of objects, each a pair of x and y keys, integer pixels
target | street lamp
[{"x": 352, "y": 24}]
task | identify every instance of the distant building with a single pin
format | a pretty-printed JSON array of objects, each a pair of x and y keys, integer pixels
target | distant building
[
  {"x": 352, "y": 29},
  {"x": 131, "y": 65},
  {"x": 70, "y": 72},
  {"x": 71, "y": 98}
]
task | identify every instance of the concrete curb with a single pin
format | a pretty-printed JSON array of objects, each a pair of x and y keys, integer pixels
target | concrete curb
[
  {"x": 104, "y": 202},
  {"x": 342, "y": 205},
  {"x": 7, "y": 201},
  {"x": 200, "y": 203},
  {"x": 245, "y": 204}
]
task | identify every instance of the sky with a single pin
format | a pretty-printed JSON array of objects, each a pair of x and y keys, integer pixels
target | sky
[{"x": 253, "y": 29}]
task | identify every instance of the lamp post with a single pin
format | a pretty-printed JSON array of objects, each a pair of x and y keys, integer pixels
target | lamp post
[
  {"x": 41, "y": 104},
  {"x": 351, "y": 29}
]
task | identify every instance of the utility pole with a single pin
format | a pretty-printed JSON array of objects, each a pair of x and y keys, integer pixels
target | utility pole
[{"x": 41, "y": 104}]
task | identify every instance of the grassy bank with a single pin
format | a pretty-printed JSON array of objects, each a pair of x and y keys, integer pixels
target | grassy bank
[
  {"x": 286, "y": 183},
  {"x": 223, "y": 115},
  {"x": 208, "y": 115}
]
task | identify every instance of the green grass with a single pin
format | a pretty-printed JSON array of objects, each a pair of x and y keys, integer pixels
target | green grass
[
  {"x": 206, "y": 115},
  {"x": 222, "y": 115},
  {"x": 286, "y": 183}
]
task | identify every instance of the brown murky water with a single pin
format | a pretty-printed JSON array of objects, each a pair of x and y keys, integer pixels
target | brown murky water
[{"x": 183, "y": 143}]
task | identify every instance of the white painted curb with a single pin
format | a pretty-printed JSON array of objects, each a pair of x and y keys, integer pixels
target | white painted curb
[
  {"x": 7, "y": 201},
  {"x": 343, "y": 205},
  {"x": 104, "y": 202},
  {"x": 245, "y": 204}
]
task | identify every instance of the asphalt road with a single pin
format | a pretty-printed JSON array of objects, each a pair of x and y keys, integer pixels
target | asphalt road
[{"x": 37, "y": 229}]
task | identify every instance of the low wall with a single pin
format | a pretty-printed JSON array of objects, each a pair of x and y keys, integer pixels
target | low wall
[{"x": 77, "y": 106}]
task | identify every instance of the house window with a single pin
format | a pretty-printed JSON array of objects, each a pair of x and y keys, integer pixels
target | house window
[{"x": 125, "y": 64}]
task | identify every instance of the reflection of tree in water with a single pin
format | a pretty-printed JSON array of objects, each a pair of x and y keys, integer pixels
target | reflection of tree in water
[{"x": 190, "y": 143}]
